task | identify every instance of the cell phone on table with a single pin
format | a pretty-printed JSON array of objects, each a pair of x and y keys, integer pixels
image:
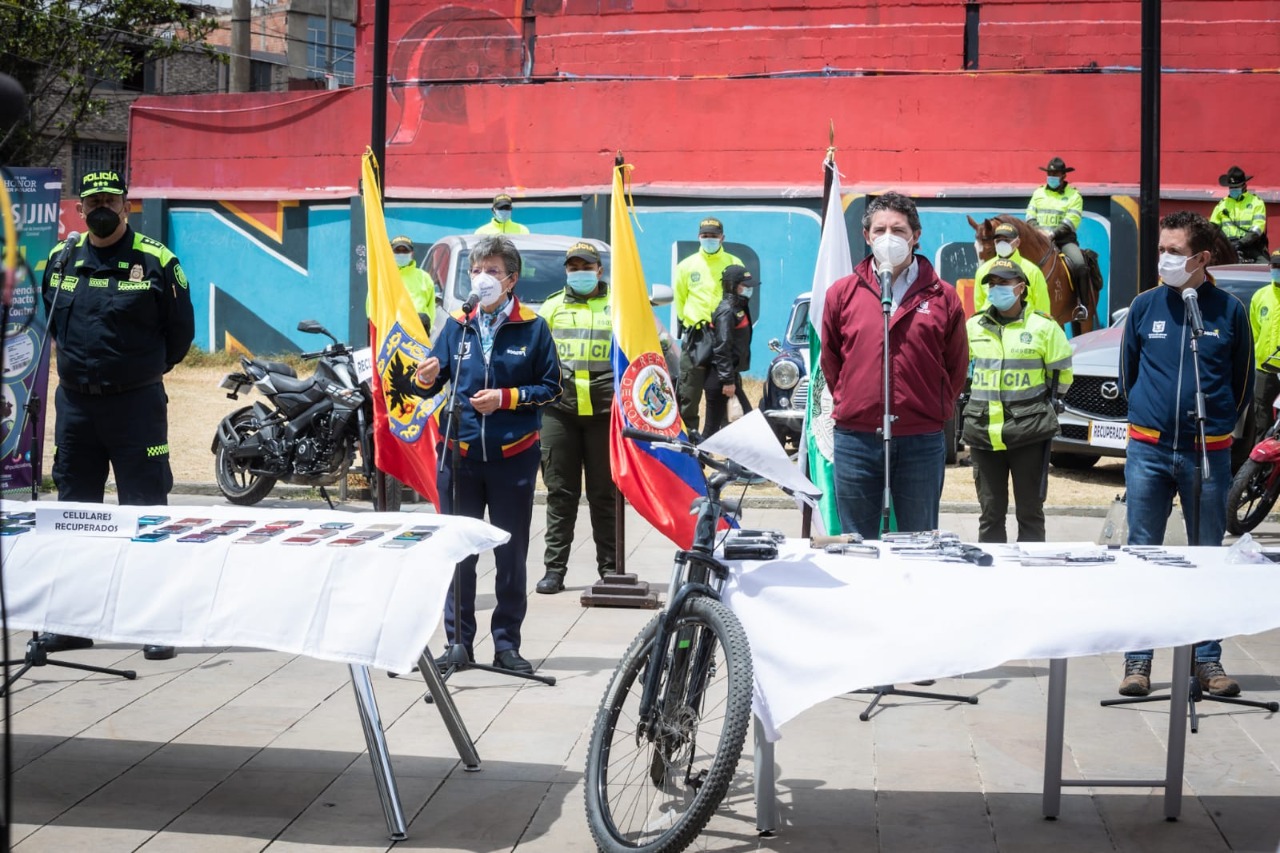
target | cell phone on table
[
  {"x": 399, "y": 543},
  {"x": 319, "y": 533},
  {"x": 198, "y": 537},
  {"x": 283, "y": 525},
  {"x": 194, "y": 522},
  {"x": 346, "y": 542},
  {"x": 14, "y": 529},
  {"x": 266, "y": 531},
  {"x": 302, "y": 540},
  {"x": 337, "y": 525},
  {"x": 174, "y": 529},
  {"x": 239, "y": 522},
  {"x": 366, "y": 535},
  {"x": 150, "y": 520},
  {"x": 154, "y": 536},
  {"x": 222, "y": 530}
]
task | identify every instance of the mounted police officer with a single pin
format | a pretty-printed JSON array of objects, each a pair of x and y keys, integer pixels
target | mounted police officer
[
  {"x": 575, "y": 429},
  {"x": 697, "y": 293},
  {"x": 1056, "y": 208},
  {"x": 1021, "y": 362},
  {"x": 120, "y": 312},
  {"x": 1242, "y": 216}
]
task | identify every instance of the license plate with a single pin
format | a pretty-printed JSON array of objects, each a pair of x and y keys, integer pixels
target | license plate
[{"x": 1109, "y": 434}]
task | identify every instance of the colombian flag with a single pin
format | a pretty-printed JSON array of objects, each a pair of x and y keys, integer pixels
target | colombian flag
[
  {"x": 404, "y": 433},
  {"x": 659, "y": 483}
]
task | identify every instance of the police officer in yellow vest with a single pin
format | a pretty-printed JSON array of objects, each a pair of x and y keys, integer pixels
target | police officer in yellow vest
[
  {"x": 1007, "y": 240},
  {"x": 1056, "y": 207},
  {"x": 416, "y": 280},
  {"x": 502, "y": 223},
  {"x": 1020, "y": 360},
  {"x": 575, "y": 428},
  {"x": 697, "y": 293},
  {"x": 1242, "y": 216},
  {"x": 1264, "y": 320}
]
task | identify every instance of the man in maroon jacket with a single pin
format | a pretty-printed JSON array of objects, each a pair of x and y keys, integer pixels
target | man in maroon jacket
[{"x": 929, "y": 357}]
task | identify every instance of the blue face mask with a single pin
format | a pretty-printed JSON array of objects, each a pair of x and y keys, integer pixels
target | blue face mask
[
  {"x": 1236, "y": 192},
  {"x": 1275, "y": 275},
  {"x": 582, "y": 282},
  {"x": 1002, "y": 296},
  {"x": 710, "y": 245},
  {"x": 746, "y": 292},
  {"x": 1053, "y": 182}
]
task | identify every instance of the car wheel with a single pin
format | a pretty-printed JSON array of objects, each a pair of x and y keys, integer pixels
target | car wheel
[{"x": 1074, "y": 461}]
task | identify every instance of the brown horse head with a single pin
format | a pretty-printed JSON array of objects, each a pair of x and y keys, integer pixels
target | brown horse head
[{"x": 983, "y": 239}]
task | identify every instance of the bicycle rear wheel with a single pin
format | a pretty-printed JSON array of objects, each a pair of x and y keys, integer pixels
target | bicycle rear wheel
[{"x": 653, "y": 788}]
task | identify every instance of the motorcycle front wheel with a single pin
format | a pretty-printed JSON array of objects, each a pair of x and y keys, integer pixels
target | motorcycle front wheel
[
  {"x": 1252, "y": 495},
  {"x": 235, "y": 481}
]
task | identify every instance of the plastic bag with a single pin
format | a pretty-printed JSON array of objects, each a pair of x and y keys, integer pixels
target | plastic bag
[{"x": 1246, "y": 550}]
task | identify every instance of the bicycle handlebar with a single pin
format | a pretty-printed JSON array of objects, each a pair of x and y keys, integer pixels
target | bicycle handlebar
[{"x": 682, "y": 445}]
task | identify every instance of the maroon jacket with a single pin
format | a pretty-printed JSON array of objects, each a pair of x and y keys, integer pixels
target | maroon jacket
[{"x": 928, "y": 350}]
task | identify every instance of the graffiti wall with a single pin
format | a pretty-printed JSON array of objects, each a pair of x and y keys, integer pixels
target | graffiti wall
[{"x": 258, "y": 269}]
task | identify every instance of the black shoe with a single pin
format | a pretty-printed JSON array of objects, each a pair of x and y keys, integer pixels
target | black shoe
[
  {"x": 64, "y": 642},
  {"x": 158, "y": 652},
  {"x": 551, "y": 583},
  {"x": 510, "y": 659}
]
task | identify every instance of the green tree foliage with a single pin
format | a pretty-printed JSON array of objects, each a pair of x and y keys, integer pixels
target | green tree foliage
[{"x": 64, "y": 51}]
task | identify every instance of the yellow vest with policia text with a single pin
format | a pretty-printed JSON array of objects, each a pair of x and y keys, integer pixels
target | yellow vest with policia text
[
  {"x": 1009, "y": 402},
  {"x": 1264, "y": 321},
  {"x": 1239, "y": 216},
  {"x": 583, "y": 332}
]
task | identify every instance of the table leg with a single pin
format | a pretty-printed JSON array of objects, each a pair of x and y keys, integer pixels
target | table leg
[
  {"x": 448, "y": 711},
  {"x": 376, "y": 740},
  {"x": 766, "y": 787},
  {"x": 1179, "y": 696},
  {"x": 1051, "y": 803}
]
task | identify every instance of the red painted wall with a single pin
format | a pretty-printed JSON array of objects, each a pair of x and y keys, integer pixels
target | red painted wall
[{"x": 716, "y": 96}]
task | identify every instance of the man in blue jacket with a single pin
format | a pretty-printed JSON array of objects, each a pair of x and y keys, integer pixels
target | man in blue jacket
[
  {"x": 507, "y": 371},
  {"x": 1158, "y": 376}
]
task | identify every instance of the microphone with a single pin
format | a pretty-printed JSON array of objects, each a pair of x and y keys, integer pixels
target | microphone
[
  {"x": 470, "y": 305},
  {"x": 1192, "y": 300},
  {"x": 61, "y": 261},
  {"x": 885, "y": 274}
]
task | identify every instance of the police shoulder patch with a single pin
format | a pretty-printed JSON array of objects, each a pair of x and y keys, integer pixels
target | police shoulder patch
[{"x": 180, "y": 276}]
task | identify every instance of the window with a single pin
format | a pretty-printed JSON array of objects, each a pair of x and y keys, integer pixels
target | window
[
  {"x": 344, "y": 45},
  {"x": 88, "y": 155}
]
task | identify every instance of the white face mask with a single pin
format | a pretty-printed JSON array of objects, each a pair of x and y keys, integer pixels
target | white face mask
[
  {"x": 890, "y": 250},
  {"x": 1004, "y": 248},
  {"x": 403, "y": 259},
  {"x": 488, "y": 288},
  {"x": 1173, "y": 269}
]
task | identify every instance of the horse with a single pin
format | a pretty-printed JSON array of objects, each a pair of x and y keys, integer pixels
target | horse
[{"x": 1070, "y": 303}]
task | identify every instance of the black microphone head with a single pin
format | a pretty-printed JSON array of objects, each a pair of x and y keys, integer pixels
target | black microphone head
[
  {"x": 13, "y": 102},
  {"x": 470, "y": 305},
  {"x": 73, "y": 237}
]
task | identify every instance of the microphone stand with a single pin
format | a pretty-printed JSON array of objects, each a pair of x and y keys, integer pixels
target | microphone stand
[
  {"x": 455, "y": 658},
  {"x": 1194, "y": 692},
  {"x": 37, "y": 654},
  {"x": 886, "y": 504}
]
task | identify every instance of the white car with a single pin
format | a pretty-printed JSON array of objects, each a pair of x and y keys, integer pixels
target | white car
[{"x": 1096, "y": 420}]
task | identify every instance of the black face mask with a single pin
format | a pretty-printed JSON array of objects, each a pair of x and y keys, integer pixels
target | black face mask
[{"x": 103, "y": 221}]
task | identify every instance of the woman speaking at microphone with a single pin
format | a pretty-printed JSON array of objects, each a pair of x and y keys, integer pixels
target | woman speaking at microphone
[{"x": 502, "y": 359}]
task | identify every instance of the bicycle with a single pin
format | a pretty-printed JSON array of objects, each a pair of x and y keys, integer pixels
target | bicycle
[{"x": 673, "y": 721}]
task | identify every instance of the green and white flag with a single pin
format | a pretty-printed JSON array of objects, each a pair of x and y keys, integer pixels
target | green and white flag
[{"x": 834, "y": 263}]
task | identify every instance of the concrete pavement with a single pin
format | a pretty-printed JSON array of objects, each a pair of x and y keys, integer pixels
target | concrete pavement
[{"x": 246, "y": 750}]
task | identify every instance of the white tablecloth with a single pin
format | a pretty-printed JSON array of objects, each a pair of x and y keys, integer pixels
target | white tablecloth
[
  {"x": 821, "y": 625},
  {"x": 359, "y": 605}
]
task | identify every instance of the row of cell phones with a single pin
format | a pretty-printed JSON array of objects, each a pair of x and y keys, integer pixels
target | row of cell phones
[
  {"x": 13, "y": 523},
  {"x": 182, "y": 530}
]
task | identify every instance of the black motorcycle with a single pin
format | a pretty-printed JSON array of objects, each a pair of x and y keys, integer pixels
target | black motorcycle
[{"x": 310, "y": 437}]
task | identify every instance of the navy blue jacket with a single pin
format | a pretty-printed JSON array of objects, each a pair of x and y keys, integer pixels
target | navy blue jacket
[
  {"x": 1156, "y": 369},
  {"x": 523, "y": 365}
]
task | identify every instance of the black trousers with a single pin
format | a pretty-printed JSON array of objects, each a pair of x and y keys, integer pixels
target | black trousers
[
  {"x": 127, "y": 432},
  {"x": 992, "y": 471}
]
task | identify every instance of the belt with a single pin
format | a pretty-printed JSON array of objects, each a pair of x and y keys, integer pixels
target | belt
[{"x": 108, "y": 390}]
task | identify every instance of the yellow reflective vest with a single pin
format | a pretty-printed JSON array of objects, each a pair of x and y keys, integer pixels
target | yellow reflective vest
[
  {"x": 697, "y": 288},
  {"x": 1050, "y": 208},
  {"x": 1037, "y": 288},
  {"x": 1012, "y": 365},
  {"x": 1264, "y": 320},
  {"x": 493, "y": 226},
  {"x": 422, "y": 290},
  {"x": 1239, "y": 216},
  {"x": 583, "y": 332}
]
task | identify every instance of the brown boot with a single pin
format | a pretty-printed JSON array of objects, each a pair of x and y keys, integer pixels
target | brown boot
[
  {"x": 1214, "y": 681},
  {"x": 1137, "y": 678}
]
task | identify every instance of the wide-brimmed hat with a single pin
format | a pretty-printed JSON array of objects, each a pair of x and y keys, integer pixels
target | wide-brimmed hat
[
  {"x": 1235, "y": 177},
  {"x": 1005, "y": 270},
  {"x": 1057, "y": 165}
]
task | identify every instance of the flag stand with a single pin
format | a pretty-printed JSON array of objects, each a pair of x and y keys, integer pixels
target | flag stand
[{"x": 620, "y": 589}]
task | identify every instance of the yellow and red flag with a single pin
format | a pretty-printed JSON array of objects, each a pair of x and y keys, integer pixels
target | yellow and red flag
[{"x": 405, "y": 433}]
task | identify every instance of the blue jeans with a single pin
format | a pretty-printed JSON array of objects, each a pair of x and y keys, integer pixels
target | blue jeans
[
  {"x": 1152, "y": 476},
  {"x": 917, "y": 464}
]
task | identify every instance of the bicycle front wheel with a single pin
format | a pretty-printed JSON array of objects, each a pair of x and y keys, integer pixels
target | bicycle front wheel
[{"x": 652, "y": 785}]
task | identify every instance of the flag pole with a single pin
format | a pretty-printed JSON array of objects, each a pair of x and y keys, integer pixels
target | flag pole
[{"x": 806, "y": 511}]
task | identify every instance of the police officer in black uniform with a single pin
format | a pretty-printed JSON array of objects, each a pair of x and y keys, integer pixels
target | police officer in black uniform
[{"x": 120, "y": 312}]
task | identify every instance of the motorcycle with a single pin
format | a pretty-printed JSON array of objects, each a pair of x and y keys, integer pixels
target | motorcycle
[
  {"x": 1256, "y": 485},
  {"x": 309, "y": 435}
]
